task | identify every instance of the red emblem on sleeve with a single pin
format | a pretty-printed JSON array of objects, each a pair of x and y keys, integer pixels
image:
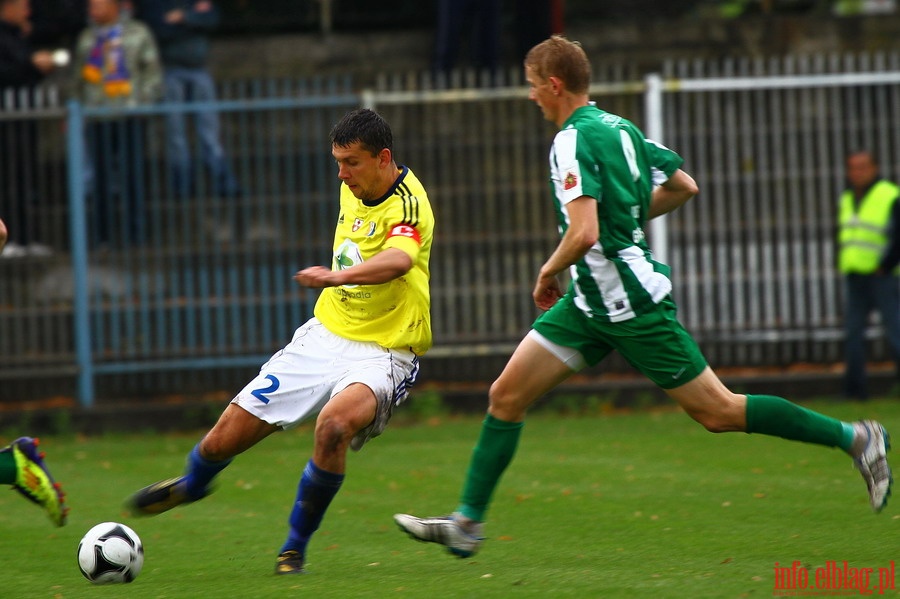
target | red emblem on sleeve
[
  {"x": 405, "y": 231},
  {"x": 570, "y": 181}
]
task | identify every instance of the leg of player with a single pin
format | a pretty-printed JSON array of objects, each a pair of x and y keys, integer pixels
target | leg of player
[
  {"x": 711, "y": 404},
  {"x": 345, "y": 414},
  {"x": 22, "y": 466},
  {"x": 236, "y": 431},
  {"x": 531, "y": 372}
]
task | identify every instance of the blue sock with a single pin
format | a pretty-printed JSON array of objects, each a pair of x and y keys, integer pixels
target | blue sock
[
  {"x": 314, "y": 493},
  {"x": 200, "y": 472}
]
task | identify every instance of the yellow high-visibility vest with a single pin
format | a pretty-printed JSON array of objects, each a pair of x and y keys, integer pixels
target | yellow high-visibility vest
[{"x": 863, "y": 234}]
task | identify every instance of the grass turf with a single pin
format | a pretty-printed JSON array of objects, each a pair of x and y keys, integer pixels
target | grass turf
[{"x": 628, "y": 505}]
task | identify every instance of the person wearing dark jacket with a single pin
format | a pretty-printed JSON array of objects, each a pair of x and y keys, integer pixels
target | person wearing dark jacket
[
  {"x": 20, "y": 65},
  {"x": 57, "y": 23},
  {"x": 21, "y": 69},
  {"x": 182, "y": 29}
]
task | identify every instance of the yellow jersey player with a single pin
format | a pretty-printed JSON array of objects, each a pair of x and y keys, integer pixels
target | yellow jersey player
[{"x": 355, "y": 359}]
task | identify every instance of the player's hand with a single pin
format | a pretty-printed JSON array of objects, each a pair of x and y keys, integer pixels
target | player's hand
[
  {"x": 43, "y": 61},
  {"x": 546, "y": 292},
  {"x": 317, "y": 277}
]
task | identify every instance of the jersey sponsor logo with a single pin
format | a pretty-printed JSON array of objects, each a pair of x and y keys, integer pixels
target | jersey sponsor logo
[
  {"x": 346, "y": 255},
  {"x": 405, "y": 231},
  {"x": 260, "y": 394},
  {"x": 371, "y": 229},
  {"x": 352, "y": 294},
  {"x": 570, "y": 181}
]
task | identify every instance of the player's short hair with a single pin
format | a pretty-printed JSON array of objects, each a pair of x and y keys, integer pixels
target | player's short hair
[
  {"x": 562, "y": 58},
  {"x": 363, "y": 126}
]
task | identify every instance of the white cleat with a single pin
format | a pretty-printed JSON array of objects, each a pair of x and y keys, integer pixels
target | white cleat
[
  {"x": 870, "y": 458},
  {"x": 444, "y": 530}
]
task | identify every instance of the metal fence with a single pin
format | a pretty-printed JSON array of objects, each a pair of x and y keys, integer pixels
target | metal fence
[
  {"x": 754, "y": 254},
  {"x": 189, "y": 294}
]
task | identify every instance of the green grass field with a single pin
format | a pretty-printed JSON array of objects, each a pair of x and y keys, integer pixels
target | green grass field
[{"x": 626, "y": 505}]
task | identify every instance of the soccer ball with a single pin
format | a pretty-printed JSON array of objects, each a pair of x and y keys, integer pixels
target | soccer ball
[{"x": 110, "y": 552}]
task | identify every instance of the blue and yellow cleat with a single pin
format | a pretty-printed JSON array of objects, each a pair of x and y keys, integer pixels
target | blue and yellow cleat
[
  {"x": 159, "y": 497},
  {"x": 289, "y": 562},
  {"x": 33, "y": 479}
]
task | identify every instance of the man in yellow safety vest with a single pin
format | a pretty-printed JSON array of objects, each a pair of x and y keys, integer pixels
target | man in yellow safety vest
[{"x": 868, "y": 254}]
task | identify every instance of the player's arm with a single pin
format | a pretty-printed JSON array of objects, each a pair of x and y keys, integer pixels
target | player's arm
[
  {"x": 3, "y": 234},
  {"x": 582, "y": 234},
  {"x": 672, "y": 193},
  {"x": 892, "y": 256},
  {"x": 384, "y": 266}
]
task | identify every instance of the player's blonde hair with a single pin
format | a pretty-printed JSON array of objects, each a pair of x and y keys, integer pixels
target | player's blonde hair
[{"x": 562, "y": 58}]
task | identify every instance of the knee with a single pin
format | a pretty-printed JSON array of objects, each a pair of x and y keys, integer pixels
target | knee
[
  {"x": 333, "y": 433},
  {"x": 214, "y": 448},
  {"x": 506, "y": 402}
]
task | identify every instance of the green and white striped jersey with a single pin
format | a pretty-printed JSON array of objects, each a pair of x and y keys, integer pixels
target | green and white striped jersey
[{"x": 606, "y": 157}]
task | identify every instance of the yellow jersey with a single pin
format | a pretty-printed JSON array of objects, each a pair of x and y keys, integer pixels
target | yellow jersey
[{"x": 396, "y": 314}]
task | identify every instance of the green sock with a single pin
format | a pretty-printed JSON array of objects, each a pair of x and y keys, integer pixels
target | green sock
[
  {"x": 493, "y": 453},
  {"x": 778, "y": 417},
  {"x": 7, "y": 467}
]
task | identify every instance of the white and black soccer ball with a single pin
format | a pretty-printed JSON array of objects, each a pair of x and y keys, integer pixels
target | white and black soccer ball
[{"x": 110, "y": 552}]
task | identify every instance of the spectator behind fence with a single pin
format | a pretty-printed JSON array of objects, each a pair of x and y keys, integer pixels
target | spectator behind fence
[
  {"x": 182, "y": 31},
  {"x": 868, "y": 254},
  {"x": 454, "y": 19},
  {"x": 21, "y": 69},
  {"x": 57, "y": 23},
  {"x": 116, "y": 65},
  {"x": 533, "y": 24}
]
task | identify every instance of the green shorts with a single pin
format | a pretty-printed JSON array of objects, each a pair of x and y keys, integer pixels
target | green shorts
[{"x": 655, "y": 343}]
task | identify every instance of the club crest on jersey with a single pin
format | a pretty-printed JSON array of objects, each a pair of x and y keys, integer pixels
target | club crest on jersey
[
  {"x": 357, "y": 223},
  {"x": 570, "y": 181}
]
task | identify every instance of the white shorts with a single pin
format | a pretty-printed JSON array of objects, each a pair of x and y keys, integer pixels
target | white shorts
[
  {"x": 568, "y": 356},
  {"x": 297, "y": 382}
]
